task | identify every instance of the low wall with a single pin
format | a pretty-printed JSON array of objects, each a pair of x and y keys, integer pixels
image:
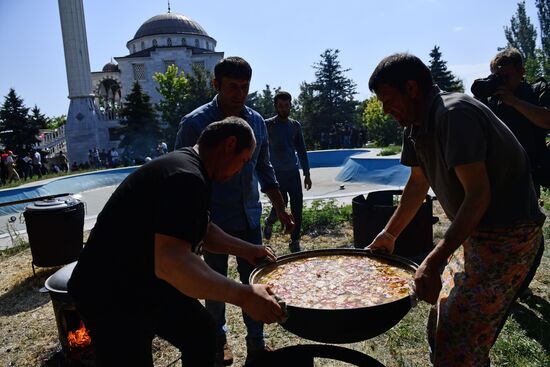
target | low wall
[{"x": 67, "y": 184}]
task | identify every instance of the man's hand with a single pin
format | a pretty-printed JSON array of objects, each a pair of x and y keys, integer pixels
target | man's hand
[
  {"x": 258, "y": 254},
  {"x": 506, "y": 96},
  {"x": 307, "y": 182},
  {"x": 259, "y": 303},
  {"x": 286, "y": 219},
  {"x": 427, "y": 282},
  {"x": 384, "y": 242}
]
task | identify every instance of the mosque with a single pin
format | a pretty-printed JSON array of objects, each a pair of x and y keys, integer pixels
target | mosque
[
  {"x": 163, "y": 40},
  {"x": 95, "y": 97}
]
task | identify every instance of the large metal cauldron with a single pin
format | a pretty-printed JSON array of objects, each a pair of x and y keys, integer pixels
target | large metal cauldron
[{"x": 342, "y": 325}]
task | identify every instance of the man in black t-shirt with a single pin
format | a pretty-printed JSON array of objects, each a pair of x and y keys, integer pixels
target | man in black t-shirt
[{"x": 139, "y": 275}]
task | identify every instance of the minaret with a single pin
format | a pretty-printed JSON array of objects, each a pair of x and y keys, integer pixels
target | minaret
[{"x": 82, "y": 131}]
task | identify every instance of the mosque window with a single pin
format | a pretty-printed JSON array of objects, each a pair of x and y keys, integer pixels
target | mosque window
[
  {"x": 199, "y": 64},
  {"x": 169, "y": 42},
  {"x": 168, "y": 63},
  {"x": 155, "y": 44},
  {"x": 197, "y": 43},
  {"x": 134, "y": 48},
  {"x": 139, "y": 71},
  {"x": 142, "y": 45},
  {"x": 207, "y": 45},
  {"x": 183, "y": 43}
]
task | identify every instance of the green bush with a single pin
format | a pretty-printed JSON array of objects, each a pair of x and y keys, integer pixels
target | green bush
[{"x": 390, "y": 150}]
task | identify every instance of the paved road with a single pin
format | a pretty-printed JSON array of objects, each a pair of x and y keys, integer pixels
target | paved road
[{"x": 324, "y": 187}]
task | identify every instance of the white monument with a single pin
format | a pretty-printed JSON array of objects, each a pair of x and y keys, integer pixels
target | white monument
[{"x": 83, "y": 130}]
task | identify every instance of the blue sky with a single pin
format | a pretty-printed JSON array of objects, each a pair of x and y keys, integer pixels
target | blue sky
[{"x": 280, "y": 39}]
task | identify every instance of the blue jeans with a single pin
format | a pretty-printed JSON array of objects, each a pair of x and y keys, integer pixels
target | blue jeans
[
  {"x": 218, "y": 262},
  {"x": 290, "y": 185}
]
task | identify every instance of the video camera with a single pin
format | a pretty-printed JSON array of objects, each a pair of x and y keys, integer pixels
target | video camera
[{"x": 486, "y": 87}]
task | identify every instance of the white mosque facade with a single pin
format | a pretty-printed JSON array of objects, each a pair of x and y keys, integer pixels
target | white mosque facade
[{"x": 161, "y": 41}]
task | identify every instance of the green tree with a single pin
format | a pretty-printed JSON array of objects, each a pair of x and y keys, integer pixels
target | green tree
[
  {"x": 263, "y": 102},
  {"x": 140, "y": 127},
  {"x": 543, "y": 12},
  {"x": 57, "y": 121},
  {"x": 38, "y": 119},
  {"x": 522, "y": 35},
  {"x": 173, "y": 86},
  {"x": 442, "y": 77},
  {"x": 308, "y": 112},
  {"x": 201, "y": 90},
  {"x": 18, "y": 133},
  {"x": 329, "y": 100},
  {"x": 381, "y": 128}
]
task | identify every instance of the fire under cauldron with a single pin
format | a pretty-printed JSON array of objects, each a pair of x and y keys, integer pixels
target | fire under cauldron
[
  {"x": 336, "y": 326},
  {"x": 73, "y": 337}
]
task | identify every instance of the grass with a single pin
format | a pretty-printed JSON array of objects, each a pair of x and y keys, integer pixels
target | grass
[
  {"x": 28, "y": 334},
  {"x": 390, "y": 150}
]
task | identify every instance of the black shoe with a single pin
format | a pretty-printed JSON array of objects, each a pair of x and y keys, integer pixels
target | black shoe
[
  {"x": 254, "y": 356},
  {"x": 268, "y": 231},
  {"x": 294, "y": 246}
]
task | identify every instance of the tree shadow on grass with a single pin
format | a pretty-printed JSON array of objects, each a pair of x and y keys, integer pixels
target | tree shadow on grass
[
  {"x": 535, "y": 326},
  {"x": 26, "y": 295}
]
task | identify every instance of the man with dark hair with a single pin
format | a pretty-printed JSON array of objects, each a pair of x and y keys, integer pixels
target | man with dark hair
[
  {"x": 236, "y": 206},
  {"x": 524, "y": 108},
  {"x": 140, "y": 270},
  {"x": 481, "y": 177},
  {"x": 285, "y": 142}
]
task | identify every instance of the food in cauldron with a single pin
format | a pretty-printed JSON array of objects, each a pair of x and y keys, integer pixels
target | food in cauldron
[{"x": 337, "y": 281}]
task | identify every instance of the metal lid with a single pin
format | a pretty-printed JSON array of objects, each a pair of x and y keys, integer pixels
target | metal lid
[
  {"x": 53, "y": 204},
  {"x": 57, "y": 282}
]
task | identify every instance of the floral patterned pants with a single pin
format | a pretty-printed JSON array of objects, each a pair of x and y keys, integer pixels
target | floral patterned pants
[{"x": 480, "y": 282}]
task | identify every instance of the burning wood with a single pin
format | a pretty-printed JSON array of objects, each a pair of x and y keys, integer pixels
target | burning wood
[{"x": 79, "y": 338}]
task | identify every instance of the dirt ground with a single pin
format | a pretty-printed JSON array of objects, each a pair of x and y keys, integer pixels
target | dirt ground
[{"x": 28, "y": 333}]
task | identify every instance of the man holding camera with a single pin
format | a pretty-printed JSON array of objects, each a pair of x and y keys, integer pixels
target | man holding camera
[{"x": 524, "y": 108}]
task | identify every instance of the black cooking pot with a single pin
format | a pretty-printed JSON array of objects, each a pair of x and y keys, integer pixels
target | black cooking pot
[{"x": 342, "y": 325}]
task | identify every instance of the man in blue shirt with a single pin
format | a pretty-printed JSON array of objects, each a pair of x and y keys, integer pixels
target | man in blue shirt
[
  {"x": 235, "y": 205},
  {"x": 285, "y": 141}
]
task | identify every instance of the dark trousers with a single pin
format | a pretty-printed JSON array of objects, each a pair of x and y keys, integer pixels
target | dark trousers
[
  {"x": 218, "y": 262},
  {"x": 290, "y": 185},
  {"x": 122, "y": 332}
]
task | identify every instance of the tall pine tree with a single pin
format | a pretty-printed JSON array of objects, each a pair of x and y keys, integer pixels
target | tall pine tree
[
  {"x": 329, "y": 100},
  {"x": 39, "y": 119},
  {"x": 18, "y": 133},
  {"x": 543, "y": 7},
  {"x": 442, "y": 77},
  {"x": 522, "y": 35},
  {"x": 141, "y": 131}
]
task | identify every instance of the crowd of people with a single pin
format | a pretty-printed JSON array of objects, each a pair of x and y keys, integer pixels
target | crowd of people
[
  {"x": 343, "y": 136},
  {"x": 35, "y": 163},
  {"x": 203, "y": 199}
]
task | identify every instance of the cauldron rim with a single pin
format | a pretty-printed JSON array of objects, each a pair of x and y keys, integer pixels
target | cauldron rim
[
  {"x": 346, "y": 325},
  {"x": 397, "y": 260}
]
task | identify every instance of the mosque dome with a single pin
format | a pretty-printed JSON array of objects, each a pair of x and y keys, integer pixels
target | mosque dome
[
  {"x": 169, "y": 23},
  {"x": 110, "y": 67}
]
